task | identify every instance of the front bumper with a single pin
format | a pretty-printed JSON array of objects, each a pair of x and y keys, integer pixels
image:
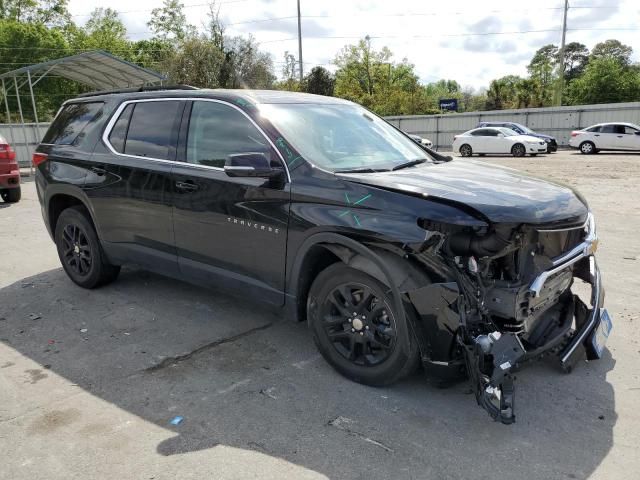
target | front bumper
[
  {"x": 575, "y": 339},
  {"x": 574, "y": 333}
]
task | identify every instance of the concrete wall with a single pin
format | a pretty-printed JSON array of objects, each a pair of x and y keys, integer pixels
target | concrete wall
[{"x": 555, "y": 121}]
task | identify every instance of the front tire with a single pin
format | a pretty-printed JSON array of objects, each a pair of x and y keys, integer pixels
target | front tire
[
  {"x": 11, "y": 195},
  {"x": 587, "y": 148},
  {"x": 518, "y": 150},
  {"x": 356, "y": 328},
  {"x": 466, "y": 150},
  {"x": 80, "y": 251}
]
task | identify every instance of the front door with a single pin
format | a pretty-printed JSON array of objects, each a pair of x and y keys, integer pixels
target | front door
[{"x": 230, "y": 232}]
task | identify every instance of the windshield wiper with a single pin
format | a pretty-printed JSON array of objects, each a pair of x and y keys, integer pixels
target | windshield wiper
[
  {"x": 409, "y": 164},
  {"x": 361, "y": 170}
]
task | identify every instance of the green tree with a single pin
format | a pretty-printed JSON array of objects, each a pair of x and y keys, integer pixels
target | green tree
[
  {"x": 605, "y": 80},
  {"x": 106, "y": 31},
  {"x": 197, "y": 62},
  {"x": 29, "y": 43},
  {"x": 541, "y": 71},
  {"x": 170, "y": 21},
  {"x": 319, "y": 81},
  {"x": 612, "y": 49},
  {"x": 576, "y": 57},
  {"x": 54, "y": 13},
  {"x": 525, "y": 90},
  {"x": 289, "y": 80}
]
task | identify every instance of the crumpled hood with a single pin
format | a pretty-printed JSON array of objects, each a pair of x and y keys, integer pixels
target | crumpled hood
[{"x": 499, "y": 194}]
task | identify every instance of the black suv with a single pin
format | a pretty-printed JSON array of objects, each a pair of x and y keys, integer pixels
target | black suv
[
  {"x": 552, "y": 143},
  {"x": 394, "y": 255}
]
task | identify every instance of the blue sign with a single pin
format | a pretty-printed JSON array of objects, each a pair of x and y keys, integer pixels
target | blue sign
[{"x": 449, "y": 104}]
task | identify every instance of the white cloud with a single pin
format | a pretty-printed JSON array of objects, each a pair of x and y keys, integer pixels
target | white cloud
[{"x": 447, "y": 40}]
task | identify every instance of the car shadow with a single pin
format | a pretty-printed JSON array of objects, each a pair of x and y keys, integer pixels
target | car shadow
[{"x": 244, "y": 377}]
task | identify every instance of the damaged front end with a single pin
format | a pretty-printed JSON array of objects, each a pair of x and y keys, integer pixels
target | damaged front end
[{"x": 509, "y": 302}]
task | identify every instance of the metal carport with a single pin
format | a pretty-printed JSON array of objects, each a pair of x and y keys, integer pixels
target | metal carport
[{"x": 97, "y": 69}]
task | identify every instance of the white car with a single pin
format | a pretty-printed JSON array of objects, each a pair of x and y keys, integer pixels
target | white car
[
  {"x": 421, "y": 140},
  {"x": 606, "y": 136},
  {"x": 497, "y": 140}
]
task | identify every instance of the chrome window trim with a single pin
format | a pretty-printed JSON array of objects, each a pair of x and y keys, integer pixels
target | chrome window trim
[{"x": 116, "y": 115}]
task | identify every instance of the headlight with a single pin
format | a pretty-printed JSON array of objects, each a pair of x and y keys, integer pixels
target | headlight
[{"x": 591, "y": 235}]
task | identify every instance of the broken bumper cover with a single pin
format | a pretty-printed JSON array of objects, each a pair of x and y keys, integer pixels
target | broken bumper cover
[
  {"x": 490, "y": 359},
  {"x": 495, "y": 391}
]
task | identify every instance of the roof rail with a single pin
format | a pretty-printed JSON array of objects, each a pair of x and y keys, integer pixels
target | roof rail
[{"x": 148, "y": 88}]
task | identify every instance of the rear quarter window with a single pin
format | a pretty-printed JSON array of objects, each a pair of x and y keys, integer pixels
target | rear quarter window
[{"x": 69, "y": 125}]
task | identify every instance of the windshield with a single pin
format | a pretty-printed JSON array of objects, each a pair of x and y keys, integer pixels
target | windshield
[
  {"x": 508, "y": 132},
  {"x": 342, "y": 137},
  {"x": 525, "y": 130}
]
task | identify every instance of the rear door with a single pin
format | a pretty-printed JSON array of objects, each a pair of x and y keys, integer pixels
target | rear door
[
  {"x": 610, "y": 137},
  {"x": 130, "y": 186},
  {"x": 231, "y": 233},
  {"x": 479, "y": 141}
]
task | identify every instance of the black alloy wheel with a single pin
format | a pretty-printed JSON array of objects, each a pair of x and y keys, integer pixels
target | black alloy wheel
[
  {"x": 356, "y": 329},
  {"x": 358, "y": 324},
  {"x": 76, "y": 249},
  {"x": 80, "y": 251}
]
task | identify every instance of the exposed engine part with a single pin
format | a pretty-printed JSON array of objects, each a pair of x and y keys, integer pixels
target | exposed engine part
[{"x": 470, "y": 243}]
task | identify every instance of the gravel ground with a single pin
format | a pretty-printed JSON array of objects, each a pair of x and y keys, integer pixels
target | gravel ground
[{"x": 79, "y": 397}]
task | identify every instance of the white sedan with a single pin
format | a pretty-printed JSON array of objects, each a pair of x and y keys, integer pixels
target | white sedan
[
  {"x": 606, "y": 136},
  {"x": 497, "y": 140}
]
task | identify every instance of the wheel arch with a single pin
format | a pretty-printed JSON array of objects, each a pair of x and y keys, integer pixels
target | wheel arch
[
  {"x": 59, "y": 199},
  {"x": 324, "y": 249}
]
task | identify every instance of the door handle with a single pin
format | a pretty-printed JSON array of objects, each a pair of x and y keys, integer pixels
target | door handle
[
  {"x": 597, "y": 135},
  {"x": 619, "y": 136},
  {"x": 187, "y": 186},
  {"x": 98, "y": 170}
]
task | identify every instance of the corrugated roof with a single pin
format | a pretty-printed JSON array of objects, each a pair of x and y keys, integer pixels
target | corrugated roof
[{"x": 97, "y": 69}]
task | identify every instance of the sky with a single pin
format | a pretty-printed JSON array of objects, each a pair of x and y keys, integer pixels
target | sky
[{"x": 469, "y": 41}]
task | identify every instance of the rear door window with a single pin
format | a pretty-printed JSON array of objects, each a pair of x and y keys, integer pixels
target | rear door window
[
  {"x": 69, "y": 125},
  {"x": 153, "y": 129}
]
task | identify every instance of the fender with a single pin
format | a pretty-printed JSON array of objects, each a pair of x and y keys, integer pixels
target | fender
[
  {"x": 70, "y": 191},
  {"x": 335, "y": 239}
]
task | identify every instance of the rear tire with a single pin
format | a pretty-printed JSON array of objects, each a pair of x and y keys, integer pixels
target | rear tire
[
  {"x": 11, "y": 195},
  {"x": 355, "y": 327},
  {"x": 80, "y": 251},
  {"x": 518, "y": 150},
  {"x": 466, "y": 150},
  {"x": 587, "y": 148}
]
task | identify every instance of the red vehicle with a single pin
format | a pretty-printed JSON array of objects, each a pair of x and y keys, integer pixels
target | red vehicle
[{"x": 9, "y": 173}]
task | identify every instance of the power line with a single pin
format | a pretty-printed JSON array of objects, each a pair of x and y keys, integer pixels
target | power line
[{"x": 194, "y": 5}]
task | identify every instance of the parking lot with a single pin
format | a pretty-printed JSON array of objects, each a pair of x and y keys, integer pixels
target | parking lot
[{"x": 90, "y": 380}]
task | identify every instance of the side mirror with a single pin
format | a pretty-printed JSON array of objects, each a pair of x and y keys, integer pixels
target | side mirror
[
  {"x": 250, "y": 164},
  {"x": 501, "y": 135}
]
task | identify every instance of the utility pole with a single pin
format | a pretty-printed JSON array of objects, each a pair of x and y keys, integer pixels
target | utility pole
[
  {"x": 560, "y": 83},
  {"x": 300, "y": 44}
]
